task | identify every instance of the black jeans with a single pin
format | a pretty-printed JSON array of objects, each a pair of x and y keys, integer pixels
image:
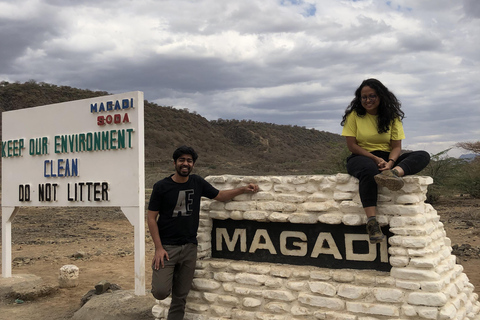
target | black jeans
[{"x": 364, "y": 169}]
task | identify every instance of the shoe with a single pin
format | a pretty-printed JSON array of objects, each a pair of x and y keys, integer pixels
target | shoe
[
  {"x": 389, "y": 179},
  {"x": 374, "y": 231}
]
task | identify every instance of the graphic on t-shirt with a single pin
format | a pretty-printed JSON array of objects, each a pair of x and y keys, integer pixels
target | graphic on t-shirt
[{"x": 184, "y": 205}]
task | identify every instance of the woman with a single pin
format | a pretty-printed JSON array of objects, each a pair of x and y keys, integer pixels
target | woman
[{"x": 374, "y": 132}]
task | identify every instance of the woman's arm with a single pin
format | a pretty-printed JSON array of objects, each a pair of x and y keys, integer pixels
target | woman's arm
[
  {"x": 356, "y": 149},
  {"x": 394, "y": 154}
]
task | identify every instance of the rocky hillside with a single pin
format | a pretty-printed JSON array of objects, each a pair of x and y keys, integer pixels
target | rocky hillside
[{"x": 224, "y": 146}]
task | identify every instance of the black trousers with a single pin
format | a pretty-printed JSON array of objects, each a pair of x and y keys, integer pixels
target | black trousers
[{"x": 364, "y": 169}]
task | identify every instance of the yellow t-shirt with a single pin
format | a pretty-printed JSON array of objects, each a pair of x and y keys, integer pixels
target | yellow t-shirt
[{"x": 364, "y": 129}]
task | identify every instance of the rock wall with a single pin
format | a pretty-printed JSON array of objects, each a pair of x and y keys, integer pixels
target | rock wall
[{"x": 424, "y": 282}]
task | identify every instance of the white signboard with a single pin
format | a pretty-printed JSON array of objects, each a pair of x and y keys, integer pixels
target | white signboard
[{"x": 80, "y": 153}]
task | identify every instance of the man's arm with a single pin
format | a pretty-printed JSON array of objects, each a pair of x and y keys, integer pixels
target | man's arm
[
  {"x": 225, "y": 195},
  {"x": 160, "y": 253}
]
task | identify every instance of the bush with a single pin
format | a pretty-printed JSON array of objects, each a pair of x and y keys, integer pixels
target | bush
[{"x": 469, "y": 179}]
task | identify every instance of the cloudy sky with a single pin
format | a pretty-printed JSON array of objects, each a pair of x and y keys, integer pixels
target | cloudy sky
[{"x": 295, "y": 62}]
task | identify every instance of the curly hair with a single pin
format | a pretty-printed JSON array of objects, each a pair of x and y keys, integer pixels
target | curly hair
[
  {"x": 388, "y": 109},
  {"x": 185, "y": 150}
]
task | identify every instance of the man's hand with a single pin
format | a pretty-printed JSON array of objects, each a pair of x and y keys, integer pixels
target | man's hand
[
  {"x": 251, "y": 188},
  {"x": 159, "y": 258}
]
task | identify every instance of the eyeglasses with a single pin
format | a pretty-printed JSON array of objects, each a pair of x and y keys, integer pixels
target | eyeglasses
[{"x": 371, "y": 97}]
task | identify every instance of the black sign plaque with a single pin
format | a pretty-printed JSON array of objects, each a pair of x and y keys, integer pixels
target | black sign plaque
[{"x": 321, "y": 245}]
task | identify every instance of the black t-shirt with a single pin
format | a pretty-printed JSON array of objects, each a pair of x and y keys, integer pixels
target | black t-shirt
[{"x": 178, "y": 205}]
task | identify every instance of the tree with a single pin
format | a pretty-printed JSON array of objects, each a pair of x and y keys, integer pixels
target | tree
[{"x": 470, "y": 146}]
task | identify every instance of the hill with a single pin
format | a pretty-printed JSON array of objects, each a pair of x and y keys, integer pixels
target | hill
[{"x": 224, "y": 146}]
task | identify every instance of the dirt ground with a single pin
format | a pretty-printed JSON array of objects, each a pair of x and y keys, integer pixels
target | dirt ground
[{"x": 100, "y": 242}]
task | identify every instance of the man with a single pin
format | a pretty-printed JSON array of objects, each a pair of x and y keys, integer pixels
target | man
[{"x": 175, "y": 201}]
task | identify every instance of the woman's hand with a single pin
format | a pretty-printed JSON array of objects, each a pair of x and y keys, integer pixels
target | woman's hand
[
  {"x": 381, "y": 164},
  {"x": 388, "y": 165}
]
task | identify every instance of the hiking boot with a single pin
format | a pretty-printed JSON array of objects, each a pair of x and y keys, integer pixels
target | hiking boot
[
  {"x": 374, "y": 231},
  {"x": 389, "y": 179}
]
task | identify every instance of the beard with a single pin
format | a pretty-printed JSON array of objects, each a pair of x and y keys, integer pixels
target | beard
[{"x": 183, "y": 173}]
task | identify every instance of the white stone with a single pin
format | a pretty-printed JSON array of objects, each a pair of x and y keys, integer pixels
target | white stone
[
  {"x": 299, "y": 180},
  {"x": 159, "y": 311},
  {"x": 227, "y": 299},
  {"x": 247, "y": 291},
  {"x": 350, "y": 207},
  {"x": 278, "y": 217},
  {"x": 242, "y": 314},
  {"x": 397, "y": 251},
  {"x": 399, "y": 261},
  {"x": 367, "y": 279},
  {"x": 427, "y": 313},
  {"x": 409, "y": 285},
  {"x": 199, "y": 308},
  {"x": 252, "y": 279},
  {"x": 322, "y": 302},
  {"x": 262, "y": 195},
  {"x": 210, "y": 297},
  {"x": 224, "y": 276},
  {"x": 321, "y": 274},
  {"x": 274, "y": 283},
  {"x": 303, "y": 217},
  {"x": 373, "y": 308},
  {"x": 385, "y": 281},
  {"x": 205, "y": 284},
  {"x": 425, "y": 262},
  {"x": 290, "y": 198},
  {"x": 353, "y": 219},
  {"x": 347, "y": 187},
  {"x": 448, "y": 312},
  {"x": 241, "y": 205},
  {"x": 408, "y": 198},
  {"x": 433, "y": 299},
  {"x": 280, "y": 271},
  {"x": 340, "y": 316},
  {"x": 309, "y": 188},
  {"x": 343, "y": 276},
  {"x": 216, "y": 179},
  {"x": 345, "y": 178},
  {"x": 68, "y": 276},
  {"x": 277, "y": 307},
  {"x": 338, "y": 195},
  {"x": 256, "y": 215},
  {"x": 259, "y": 269},
  {"x": 236, "y": 215},
  {"x": 388, "y": 295},
  {"x": 320, "y": 196},
  {"x": 433, "y": 286},
  {"x": 352, "y": 292},
  {"x": 220, "y": 311},
  {"x": 251, "y": 302},
  {"x": 283, "y": 188},
  {"x": 275, "y": 206},
  {"x": 282, "y": 295},
  {"x": 319, "y": 206},
  {"x": 212, "y": 205},
  {"x": 414, "y": 274},
  {"x": 300, "y": 311},
  {"x": 409, "y": 311},
  {"x": 331, "y": 218},
  {"x": 322, "y": 288}
]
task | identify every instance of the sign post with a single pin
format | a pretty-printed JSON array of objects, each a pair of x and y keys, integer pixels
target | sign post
[{"x": 84, "y": 153}]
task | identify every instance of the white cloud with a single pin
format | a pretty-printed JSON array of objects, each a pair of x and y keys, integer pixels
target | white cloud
[{"x": 286, "y": 62}]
